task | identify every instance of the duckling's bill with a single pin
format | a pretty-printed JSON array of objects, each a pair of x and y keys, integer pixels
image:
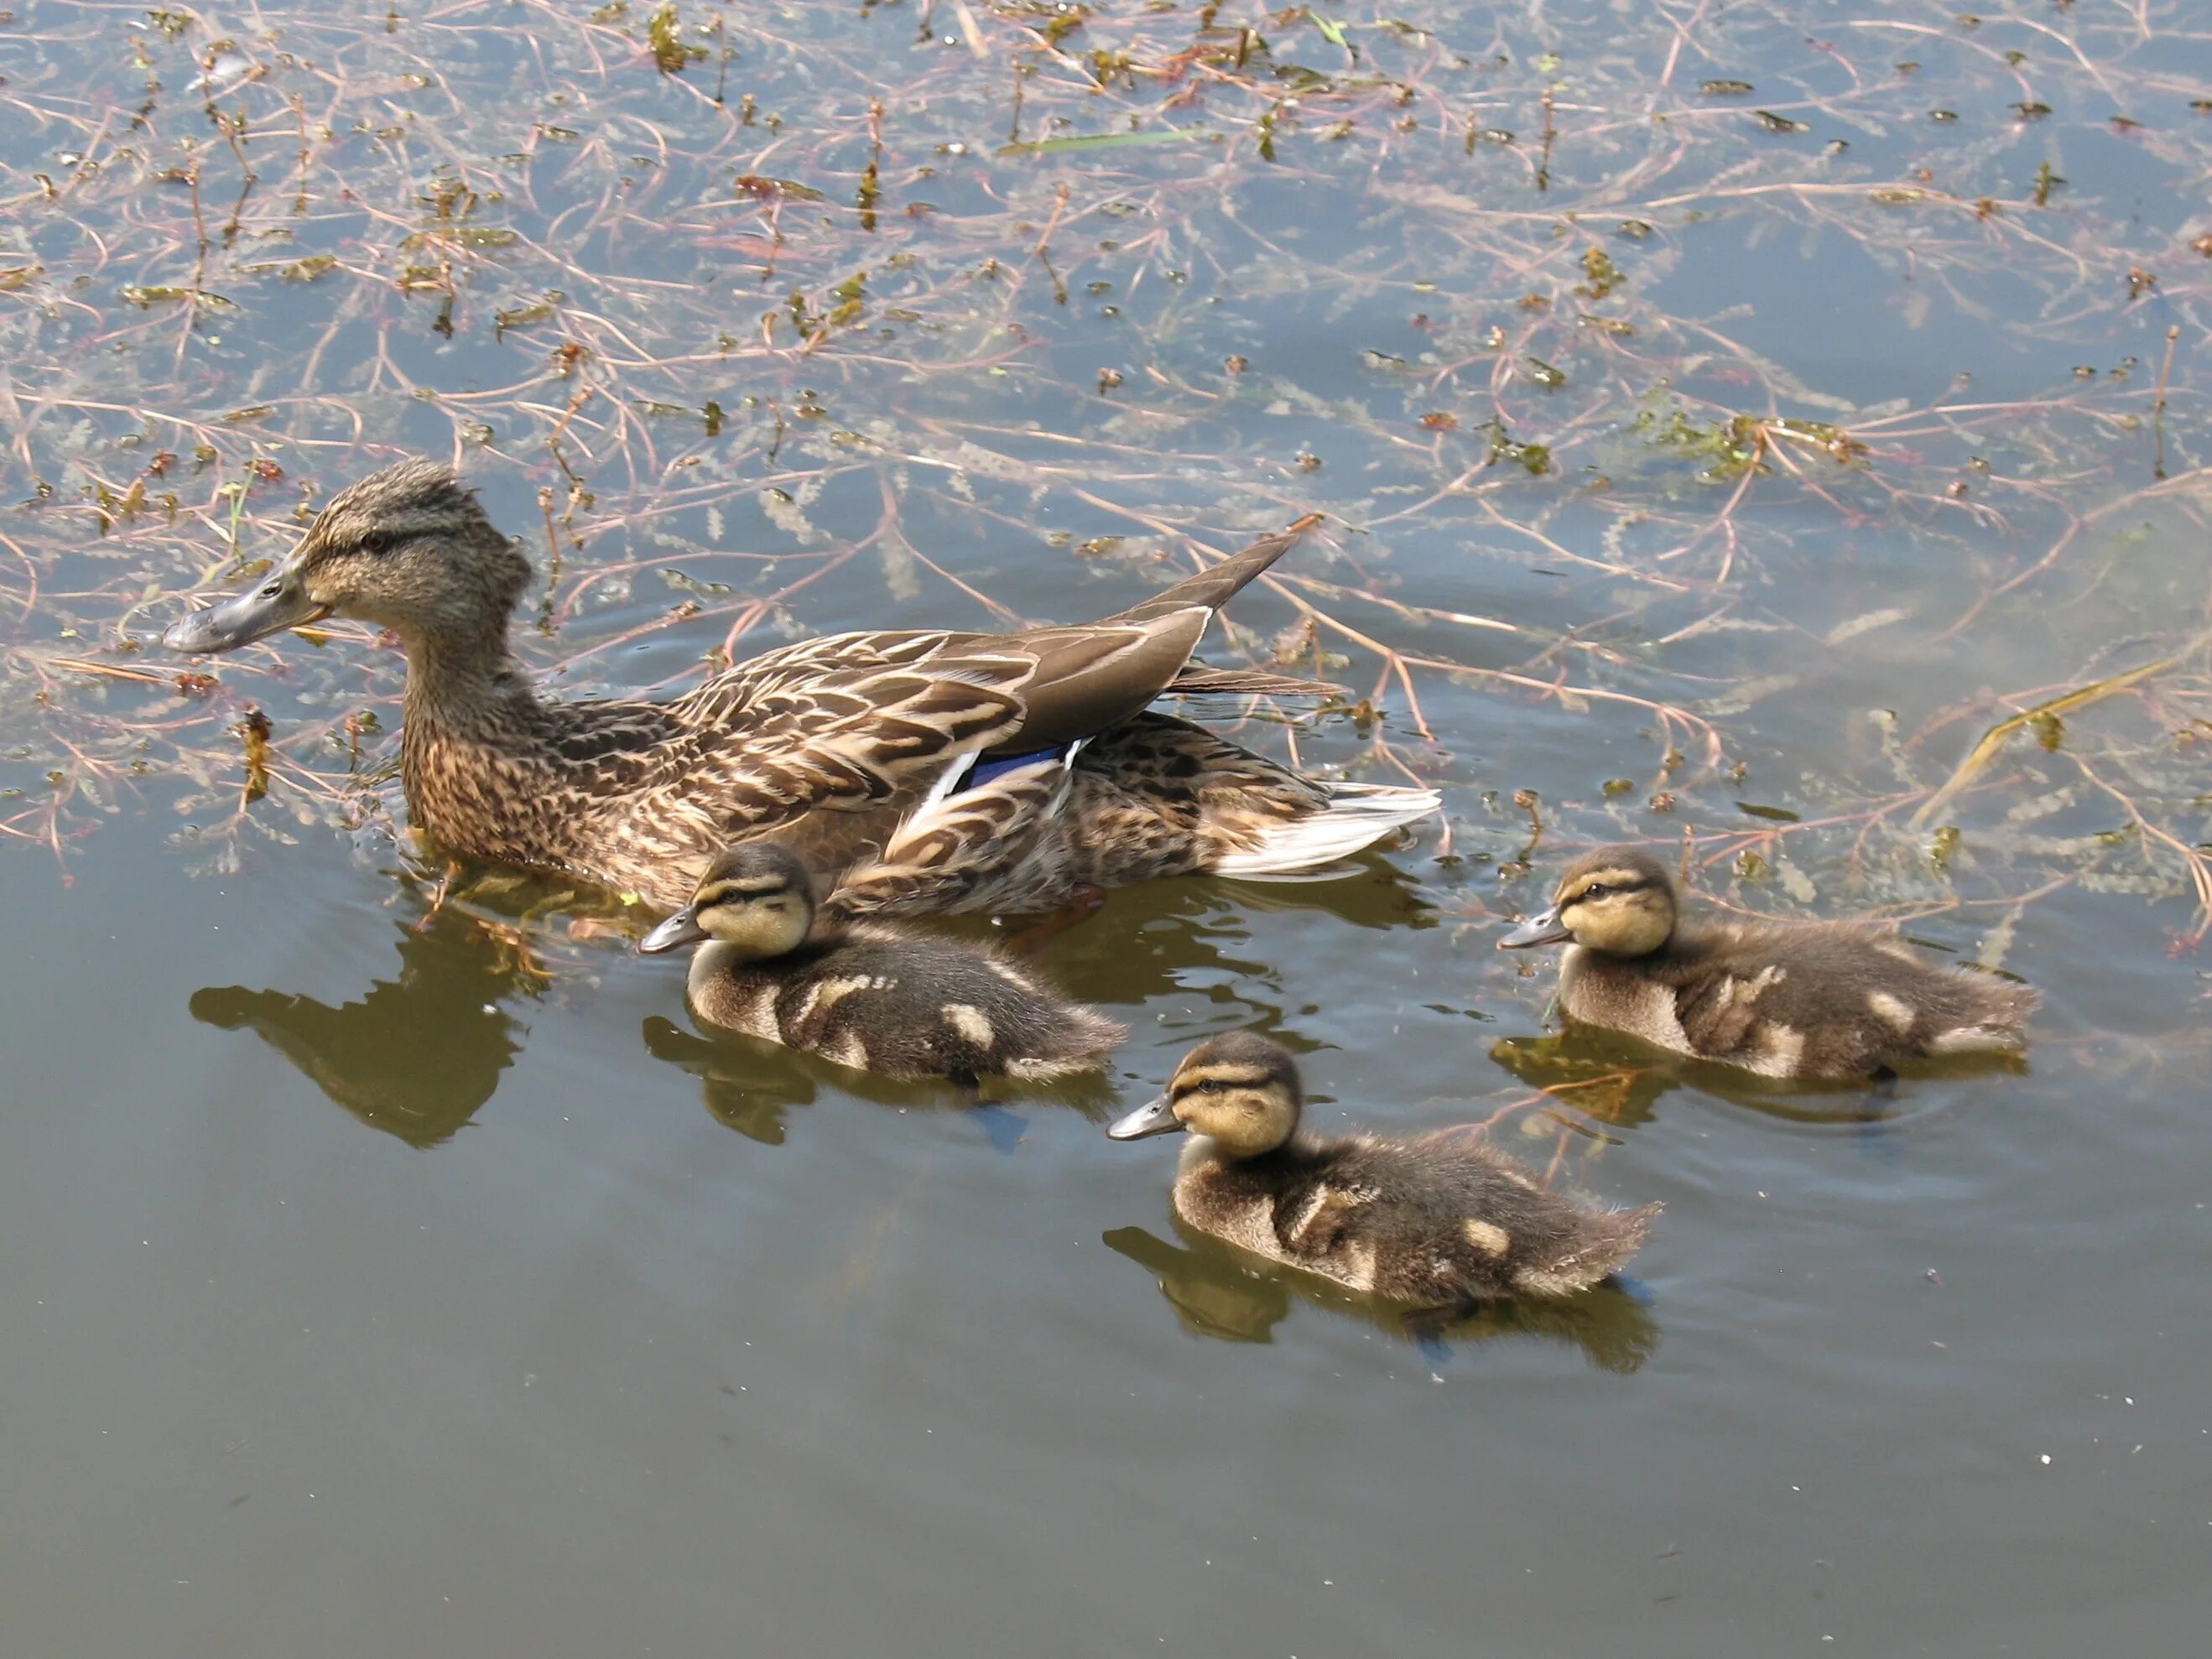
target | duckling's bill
[
  {"x": 1545, "y": 927},
  {"x": 681, "y": 929},
  {"x": 1155, "y": 1117},
  {"x": 279, "y": 602}
]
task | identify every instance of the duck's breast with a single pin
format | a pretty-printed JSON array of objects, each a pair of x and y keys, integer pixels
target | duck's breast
[
  {"x": 1211, "y": 1194},
  {"x": 1598, "y": 990},
  {"x": 725, "y": 991}
]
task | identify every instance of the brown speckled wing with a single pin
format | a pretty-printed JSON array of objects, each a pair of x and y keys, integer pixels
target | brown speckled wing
[
  {"x": 840, "y": 740},
  {"x": 944, "y": 852}
]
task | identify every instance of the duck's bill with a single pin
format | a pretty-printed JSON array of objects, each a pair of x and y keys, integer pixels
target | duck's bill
[
  {"x": 279, "y": 602},
  {"x": 1154, "y": 1117},
  {"x": 1542, "y": 929},
  {"x": 681, "y": 929}
]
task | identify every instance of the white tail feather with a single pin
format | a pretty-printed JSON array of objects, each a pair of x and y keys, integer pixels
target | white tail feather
[{"x": 1356, "y": 815}]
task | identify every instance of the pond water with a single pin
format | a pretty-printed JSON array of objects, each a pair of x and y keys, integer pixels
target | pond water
[{"x": 390, "y": 1265}]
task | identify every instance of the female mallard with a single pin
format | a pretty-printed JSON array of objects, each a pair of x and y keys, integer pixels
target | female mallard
[
  {"x": 1786, "y": 1000},
  {"x": 1437, "y": 1222},
  {"x": 864, "y": 995},
  {"x": 925, "y": 771}
]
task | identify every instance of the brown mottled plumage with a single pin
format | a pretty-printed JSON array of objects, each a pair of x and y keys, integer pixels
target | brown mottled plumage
[
  {"x": 1785, "y": 1000},
  {"x": 854, "y": 748},
  {"x": 866, "y": 994},
  {"x": 1439, "y": 1221}
]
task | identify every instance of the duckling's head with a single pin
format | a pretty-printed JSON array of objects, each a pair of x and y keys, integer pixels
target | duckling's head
[
  {"x": 1239, "y": 1090},
  {"x": 1617, "y": 899},
  {"x": 408, "y": 549},
  {"x": 756, "y": 897}
]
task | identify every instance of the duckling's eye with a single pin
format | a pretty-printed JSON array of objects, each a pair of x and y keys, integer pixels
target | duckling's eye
[{"x": 1595, "y": 890}]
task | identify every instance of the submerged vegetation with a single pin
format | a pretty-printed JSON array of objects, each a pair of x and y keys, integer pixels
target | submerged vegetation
[{"x": 1833, "y": 438}]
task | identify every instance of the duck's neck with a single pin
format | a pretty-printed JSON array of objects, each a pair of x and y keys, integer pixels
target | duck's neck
[
  {"x": 709, "y": 962},
  {"x": 479, "y": 754},
  {"x": 1203, "y": 1151},
  {"x": 467, "y": 686}
]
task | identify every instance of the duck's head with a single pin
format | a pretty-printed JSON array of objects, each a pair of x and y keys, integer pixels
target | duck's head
[
  {"x": 408, "y": 549},
  {"x": 1239, "y": 1090},
  {"x": 757, "y": 897},
  {"x": 1616, "y": 900}
]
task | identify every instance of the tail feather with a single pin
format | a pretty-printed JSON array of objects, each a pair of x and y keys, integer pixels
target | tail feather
[
  {"x": 1993, "y": 1017},
  {"x": 1083, "y": 1042},
  {"x": 1088, "y": 679},
  {"x": 1356, "y": 815},
  {"x": 1213, "y": 586},
  {"x": 1609, "y": 1238},
  {"x": 1196, "y": 680}
]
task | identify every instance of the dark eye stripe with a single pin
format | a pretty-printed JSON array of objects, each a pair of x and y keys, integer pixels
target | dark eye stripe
[
  {"x": 1214, "y": 1085},
  {"x": 1609, "y": 889}
]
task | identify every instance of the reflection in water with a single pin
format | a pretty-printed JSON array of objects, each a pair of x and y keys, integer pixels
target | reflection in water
[
  {"x": 1217, "y": 1292},
  {"x": 1619, "y": 1080},
  {"x": 416, "y": 1055},
  {"x": 749, "y": 1085},
  {"x": 1150, "y": 939}
]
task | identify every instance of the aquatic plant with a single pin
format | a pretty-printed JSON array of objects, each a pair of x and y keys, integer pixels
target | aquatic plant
[{"x": 1645, "y": 399}]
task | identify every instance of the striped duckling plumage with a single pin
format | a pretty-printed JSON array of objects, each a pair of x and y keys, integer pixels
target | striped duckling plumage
[
  {"x": 917, "y": 771},
  {"x": 1439, "y": 1221},
  {"x": 866, "y": 994},
  {"x": 1783, "y": 1000}
]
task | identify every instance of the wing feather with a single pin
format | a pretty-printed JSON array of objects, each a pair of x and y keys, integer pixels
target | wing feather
[{"x": 857, "y": 719}]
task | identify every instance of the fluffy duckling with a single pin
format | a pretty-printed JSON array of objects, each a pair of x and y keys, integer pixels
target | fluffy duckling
[
  {"x": 1783, "y": 1000},
  {"x": 864, "y": 995},
  {"x": 1440, "y": 1221}
]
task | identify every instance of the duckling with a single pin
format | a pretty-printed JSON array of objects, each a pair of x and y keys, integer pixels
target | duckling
[
  {"x": 864, "y": 995},
  {"x": 1439, "y": 1221},
  {"x": 1783, "y": 1000}
]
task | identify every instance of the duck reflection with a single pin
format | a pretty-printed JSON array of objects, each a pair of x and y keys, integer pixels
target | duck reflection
[
  {"x": 418, "y": 1054},
  {"x": 1619, "y": 1080},
  {"x": 1217, "y": 1292},
  {"x": 750, "y": 1085},
  {"x": 1150, "y": 940}
]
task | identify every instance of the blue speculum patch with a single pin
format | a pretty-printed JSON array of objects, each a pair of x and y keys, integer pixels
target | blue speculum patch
[{"x": 984, "y": 770}]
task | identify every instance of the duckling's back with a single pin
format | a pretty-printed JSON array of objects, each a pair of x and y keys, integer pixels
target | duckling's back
[
  {"x": 1817, "y": 999},
  {"x": 1441, "y": 1221},
  {"x": 904, "y": 1006}
]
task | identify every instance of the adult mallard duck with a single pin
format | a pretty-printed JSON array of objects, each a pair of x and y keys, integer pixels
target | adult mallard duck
[
  {"x": 1440, "y": 1221},
  {"x": 1784, "y": 1000},
  {"x": 924, "y": 771},
  {"x": 863, "y": 994}
]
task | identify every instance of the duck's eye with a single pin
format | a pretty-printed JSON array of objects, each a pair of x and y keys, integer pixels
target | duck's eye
[
  {"x": 1596, "y": 890},
  {"x": 375, "y": 542}
]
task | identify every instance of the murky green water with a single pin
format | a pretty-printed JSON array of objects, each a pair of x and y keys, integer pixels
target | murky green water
[{"x": 391, "y": 1268}]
